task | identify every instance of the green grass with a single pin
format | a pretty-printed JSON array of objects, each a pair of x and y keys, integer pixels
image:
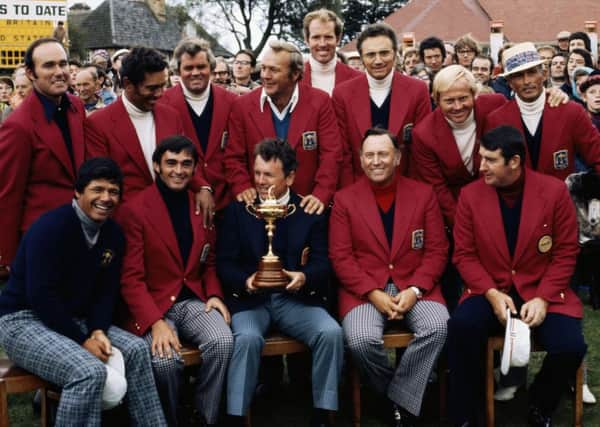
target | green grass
[{"x": 291, "y": 407}]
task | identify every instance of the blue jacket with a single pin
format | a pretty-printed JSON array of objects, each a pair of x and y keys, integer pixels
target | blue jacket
[
  {"x": 242, "y": 241},
  {"x": 57, "y": 276}
]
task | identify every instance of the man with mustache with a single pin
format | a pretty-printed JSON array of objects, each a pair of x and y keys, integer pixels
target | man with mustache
[
  {"x": 553, "y": 135},
  {"x": 128, "y": 130},
  {"x": 41, "y": 146}
]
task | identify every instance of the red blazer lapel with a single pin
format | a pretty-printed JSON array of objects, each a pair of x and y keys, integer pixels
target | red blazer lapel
[
  {"x": 158, "y": 217},
  {"x": 50, "y": 134},
  {"x": 532, "y": 207},
  {"x": 123, "y": 131},
  {"x": 76, "y": 129},
  {"x": 361, "y": 107},
  {"x": 398, "y": 105},
  {"x": 219, "y": 117},
  {"x": 489, "y": 211},
  {"x": 370, "y": 213},
  {"x": 262, "y": 120},
  {"x": 403, "y": 212},
  {"x": 300, "y": 117}
]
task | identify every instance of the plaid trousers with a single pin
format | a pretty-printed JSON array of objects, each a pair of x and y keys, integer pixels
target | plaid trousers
[
  {"x": 33, "y": 346},
  {"x": 363, "y": 329},
  {"x": 210, "y": 333}
]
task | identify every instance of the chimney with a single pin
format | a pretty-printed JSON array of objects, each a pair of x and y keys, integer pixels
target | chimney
[
  {"x": 158, "y": 8},
  {"x": 496, "y": 39}
]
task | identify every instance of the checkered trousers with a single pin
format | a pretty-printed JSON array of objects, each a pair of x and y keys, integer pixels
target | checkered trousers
[
  {"x": 363, "y": 329},
  {"x": 210, "y": 333},
  {"x": 58, "y": 359}
]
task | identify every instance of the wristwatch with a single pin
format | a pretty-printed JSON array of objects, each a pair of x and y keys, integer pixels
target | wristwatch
[{"x": 417, "y": 292}]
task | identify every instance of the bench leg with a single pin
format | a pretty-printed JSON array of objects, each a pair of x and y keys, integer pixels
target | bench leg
[
  {"x": 578, "y": 399},
  {"x": 44, "y": 407},
  {"x": 355, "y": 383},
  {"x": 489, "y": 386},
  {"x": 3, "y": 405}
]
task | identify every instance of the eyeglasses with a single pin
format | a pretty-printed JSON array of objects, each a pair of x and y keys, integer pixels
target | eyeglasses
[
  {"x": 242, "y": 62},
  {"x": 465, "y": 51},
  {"x": 221, "y": 73}
]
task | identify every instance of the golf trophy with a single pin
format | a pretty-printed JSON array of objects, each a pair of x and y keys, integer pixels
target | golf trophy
[{"x": 270, "y": 272}]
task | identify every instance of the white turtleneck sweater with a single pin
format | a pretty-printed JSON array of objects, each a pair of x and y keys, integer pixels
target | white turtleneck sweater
[
  {"x": 197, "y": 102},
  {"x": 380, "y": 89},
  {"x": 465, "y": 135},
  {"x": 322, "y": 76},
  {"x": 143, "y": 122},
  {"x": 531, "y": 112}
]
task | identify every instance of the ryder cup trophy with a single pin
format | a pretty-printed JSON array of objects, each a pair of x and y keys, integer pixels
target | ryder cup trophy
[{"x": 270, "y": 272}]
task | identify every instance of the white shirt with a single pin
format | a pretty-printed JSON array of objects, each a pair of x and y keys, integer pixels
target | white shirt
[
  {"x": 197, "y": 102},
  {"x": 380, "y": 89},
  {"x": 531, "y": 112},
  {"x": 289, "y": 107},
  {"x": 283, "y": 200},
  {"x": 322, "y": 76},
  {"x": 143, "y": 122},
  {"x": 465, "y": 135}
]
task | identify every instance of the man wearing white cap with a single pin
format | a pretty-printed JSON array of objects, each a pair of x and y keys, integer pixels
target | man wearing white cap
[
  {"x": 553, "y": 135},
  {"x": 562, "y": 39},
  {"x": 515, "y": 246}
]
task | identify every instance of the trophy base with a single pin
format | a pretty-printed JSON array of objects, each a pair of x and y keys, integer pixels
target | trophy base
[{"x": 270, "y": 274}]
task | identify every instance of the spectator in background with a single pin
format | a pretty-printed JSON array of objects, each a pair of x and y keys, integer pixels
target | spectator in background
[
  {"x": 411, "y": 58},
  {"x": 576, "y": 58},
  {"x": 579, "y": 76},
  {"x": 449, "y": 60},
  {"x": 74, "y": 66},
  {"x": 465, "y": 49},
  {"x": 22, "y": 89},
  {"x": 482, "y": 67},
  {"x": 116, "y": 69},
  {"x": 579, "y": 40},
  {"x": 562, "y": 39},
  {"x": 546, "y": 52},
  {"x": 60, "y": 34},
  {"x": 500, "y": 84},
  {"x": 558, "y": 65},
  {"x": 6, "y": 89},
  {"x": 432, "y": 52},
  {"x": 590, "y": 92},
  {"x": 354, "y": 61},
  {"x": 244, "y": 63},
  {"x": 86, "y": 84},
  {"x": 422, "y": 72},
  {"x": 221, "y": 75}
]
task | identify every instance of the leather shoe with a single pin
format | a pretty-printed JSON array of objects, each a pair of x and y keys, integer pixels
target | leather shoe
[{"x": 537, "y": 418}]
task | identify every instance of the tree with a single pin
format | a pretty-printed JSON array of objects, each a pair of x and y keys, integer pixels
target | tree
[{"x": 357, "y": 13}]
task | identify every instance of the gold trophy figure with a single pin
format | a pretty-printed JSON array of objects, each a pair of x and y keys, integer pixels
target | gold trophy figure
[{"x": 270, "y": 271}]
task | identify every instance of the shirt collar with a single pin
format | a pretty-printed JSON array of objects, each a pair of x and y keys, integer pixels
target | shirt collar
[
  {"x": 288, "y": 108},
  {"x": 50, "y": 106},
  {"x": 192, "y": 97},
  {"x": 283, "y": 200}
]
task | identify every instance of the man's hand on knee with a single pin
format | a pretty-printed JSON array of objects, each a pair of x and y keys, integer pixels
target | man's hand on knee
[
  {"x": 96, "y": 348},
  {"x": 500, "y": 302},
  {"x": 385, "y": 304},
  {"x": 533, "y": 312},
  {"x": 164, "y": 340}
]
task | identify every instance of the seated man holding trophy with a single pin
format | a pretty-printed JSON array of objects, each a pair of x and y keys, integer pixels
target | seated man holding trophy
[{"x": 286, "y": 288}]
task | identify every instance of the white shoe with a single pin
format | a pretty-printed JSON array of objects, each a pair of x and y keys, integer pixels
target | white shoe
[
  {"x": 505, "y": 393},
  {"x": 588, "y": 396}
]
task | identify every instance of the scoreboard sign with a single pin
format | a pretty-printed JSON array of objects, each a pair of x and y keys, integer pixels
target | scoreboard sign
[{"x": 34, "y": 9}]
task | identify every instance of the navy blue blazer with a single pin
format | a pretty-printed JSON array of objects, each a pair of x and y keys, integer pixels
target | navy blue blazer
[
  {"x": 57, "y": 276},
  {"x": 242, "y": 241}
]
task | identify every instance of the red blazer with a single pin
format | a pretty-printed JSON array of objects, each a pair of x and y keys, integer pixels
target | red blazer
[
  {"x": 318, "y": 164},
  {"x": 210, "y": 170},
  {"x": 342, "y": 73},
  {"x": 481, "y": 252},
  {"x": 409, "y": 105},
  {"x": 109, "y": 132},
  {"x": 359, "y": 249},
  {"x": 436, "y": 159},
  {"x": 36, "y": 169},
  {"x": 566, "y": 129},
  {"x": 153, "y": 272}
]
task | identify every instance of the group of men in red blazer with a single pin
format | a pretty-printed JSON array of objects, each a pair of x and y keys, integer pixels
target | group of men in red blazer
[{"x": 42, "y": 145}]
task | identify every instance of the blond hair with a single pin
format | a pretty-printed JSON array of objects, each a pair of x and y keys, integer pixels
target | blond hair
[
  {"x": 324, "y": 15},
  {"x": 448, "y": 76}
]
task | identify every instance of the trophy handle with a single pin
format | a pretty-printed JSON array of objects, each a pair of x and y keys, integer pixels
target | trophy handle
[
  {"x": 290, "y": 209},
  {"x": 252, "y": 211}
]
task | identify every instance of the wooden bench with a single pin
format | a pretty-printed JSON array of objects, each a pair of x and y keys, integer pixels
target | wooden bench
[
  {"x": 394, "y": 338},
  {"x": 496, "y": 343},
  {"x": 16, "y": 380}
]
